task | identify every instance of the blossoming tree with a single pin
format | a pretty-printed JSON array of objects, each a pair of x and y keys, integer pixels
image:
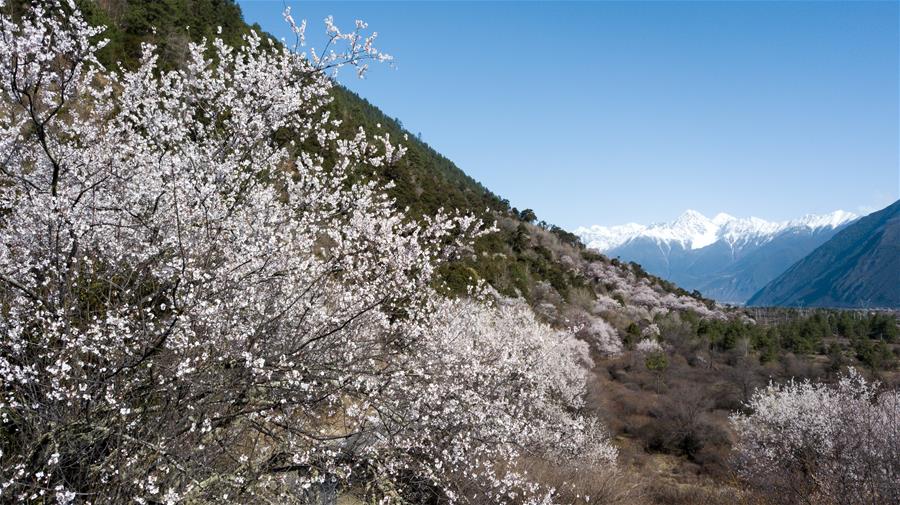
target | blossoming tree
[
  {"x": 817, "y": 443},
  {"x": 193, "y": 308}
]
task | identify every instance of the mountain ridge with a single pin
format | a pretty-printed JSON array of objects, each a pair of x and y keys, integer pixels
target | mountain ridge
[
  {"x": 857, "y": 268},
  {"x": 694, "y": 228},
  {"x": 725, "y": 258}
]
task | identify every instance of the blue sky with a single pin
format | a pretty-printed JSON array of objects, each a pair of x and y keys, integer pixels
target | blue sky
[{"x": 611, "y": 112}]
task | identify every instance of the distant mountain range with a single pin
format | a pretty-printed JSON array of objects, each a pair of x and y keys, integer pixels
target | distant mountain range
[
  {"x": 725, "y": 258},
  {"x": 858, "y": 267}
]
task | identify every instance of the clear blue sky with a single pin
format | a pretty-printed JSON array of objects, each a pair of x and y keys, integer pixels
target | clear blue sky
[{"x": 610, "y": 112}]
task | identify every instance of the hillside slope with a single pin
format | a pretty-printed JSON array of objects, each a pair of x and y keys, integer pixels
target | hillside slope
[
  {"x": 425, "y": 180},
  {"x": 858, "y": 267},
  {"x": 515, "y": 260}
]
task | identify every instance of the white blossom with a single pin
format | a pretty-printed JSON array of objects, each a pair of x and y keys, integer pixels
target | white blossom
[
  {"x": 831, "y": 444},
  {"x": 648, "y": 346}
]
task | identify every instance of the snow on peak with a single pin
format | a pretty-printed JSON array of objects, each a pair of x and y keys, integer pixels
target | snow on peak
[
  {"x": 833, "y": 220},
  {"x": 604, "y": 238},
  {"x": 691, "y": 215},
  {"x": 723, "y": 218},
  {"x": 693, "y": 230}
]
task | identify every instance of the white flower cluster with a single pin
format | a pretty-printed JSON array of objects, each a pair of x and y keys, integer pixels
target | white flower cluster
[
  {"x": 651, "y": 331},
  {"x": 648, "y": 346},
  {"x": 604, "y": 336},
  {"x": 817, "y": 443},
  {"x": 193, "y": 308},
  {"x": 640, "y": 294}
]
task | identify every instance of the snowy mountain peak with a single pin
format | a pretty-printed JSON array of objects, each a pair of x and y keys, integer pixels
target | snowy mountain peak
[
  {"x": 691, "y": 215},
  {"x": 693, "y": 230},
  {"x": 723, "y": 218}
]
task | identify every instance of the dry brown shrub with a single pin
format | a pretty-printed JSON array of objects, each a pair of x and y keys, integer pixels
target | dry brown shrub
[
  {"x": 673, "y": 494},
  {"x": 583, "y": 485}
]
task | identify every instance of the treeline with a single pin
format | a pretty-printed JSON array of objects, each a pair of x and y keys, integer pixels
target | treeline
[{"x": 864, "y": 336}]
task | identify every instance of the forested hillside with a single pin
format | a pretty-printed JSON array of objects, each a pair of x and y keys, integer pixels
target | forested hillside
[{"x": 425, "y": 179}]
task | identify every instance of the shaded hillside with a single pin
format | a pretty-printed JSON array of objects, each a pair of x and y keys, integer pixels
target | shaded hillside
[
  {"x": 858, "y": 267},
  {"x": 169, "y": 24},
  {"x": 424, "y": 179},
  {"x": 741, "y": 279}
]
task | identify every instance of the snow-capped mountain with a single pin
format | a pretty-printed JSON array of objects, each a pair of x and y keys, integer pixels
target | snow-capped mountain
[
  {"x": 858, "y": 267},
  {"x": 726, "y": 258},
  {"x": 693, "y": 230}
]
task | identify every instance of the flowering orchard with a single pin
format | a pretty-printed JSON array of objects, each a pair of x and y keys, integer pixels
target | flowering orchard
[{"x": 193, "y": 308}]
